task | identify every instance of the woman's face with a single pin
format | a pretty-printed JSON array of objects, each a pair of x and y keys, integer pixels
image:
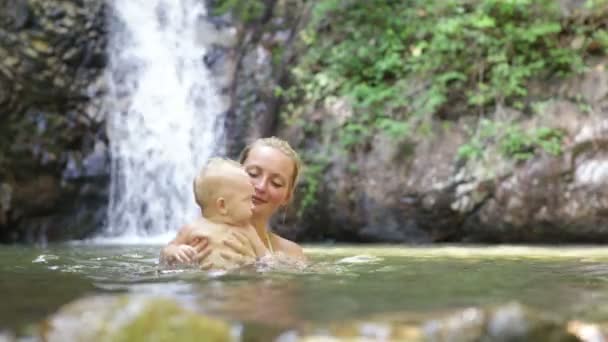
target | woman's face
[{"x": 271, "y": 172}]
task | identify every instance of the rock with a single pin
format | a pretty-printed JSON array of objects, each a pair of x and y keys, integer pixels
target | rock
[
  {"x": 31, "y": 53},
  {"x": 6, "y": 196},
  {"x": 586, "y": 332},
  {"x": 255, "y": 108},
  {"x": 5, "y": 91},
  {"x": 545, "y": 199},
  {"x": 468, "y": 325},
  {"x": 6, "y": 336},
  {"x": 41, "y": 46},
  {"x": 591, "y": 86},
  {"x": 14, "y": 14},
  {"x": 59, "y": 82},
  {"x": 11, "y": 62},
  {"x": 97, "y": 163},
  {"x": 47, "y": 70},
  {"x": 131, "y": 318},
  {"x": 571, "y": 7},
  {"x": 511, "y": 322},
  {"x": 595, "y": 85},
  {"x": 72, "y": 55}
]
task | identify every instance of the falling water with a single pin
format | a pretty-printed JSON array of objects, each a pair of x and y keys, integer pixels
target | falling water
[{"x": 163, "y": 115}]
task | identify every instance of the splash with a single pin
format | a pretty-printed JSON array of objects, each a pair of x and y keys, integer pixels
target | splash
[{"x": 164, "y": 120}]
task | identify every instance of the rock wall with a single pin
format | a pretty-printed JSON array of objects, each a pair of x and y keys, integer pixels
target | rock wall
[
  {"x": 414, "y": 188},
  {"x": 53, "y": 157},
  {"x": 263, "y": 53}
]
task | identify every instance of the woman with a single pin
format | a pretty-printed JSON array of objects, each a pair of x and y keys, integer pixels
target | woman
[{"x": 274, "y": 168}]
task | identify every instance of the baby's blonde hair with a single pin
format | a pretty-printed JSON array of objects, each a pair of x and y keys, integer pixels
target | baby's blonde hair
[
  {"x": 212, "y": 179},
  {"x": 284, "y": 147}
]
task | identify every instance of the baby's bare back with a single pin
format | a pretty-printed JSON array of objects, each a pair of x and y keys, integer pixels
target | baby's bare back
[{"x": 217, "y": 234}]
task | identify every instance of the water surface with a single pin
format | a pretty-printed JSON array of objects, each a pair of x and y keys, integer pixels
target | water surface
[{"x": 341, "y": 284}]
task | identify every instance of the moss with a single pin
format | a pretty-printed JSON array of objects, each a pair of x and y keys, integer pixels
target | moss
[
  {"x": 133, "y": 319},
  {"x": 164, "y": 320}
]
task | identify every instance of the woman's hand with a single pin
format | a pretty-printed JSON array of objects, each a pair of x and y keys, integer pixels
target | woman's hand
[{"x": 239, "y": 250}]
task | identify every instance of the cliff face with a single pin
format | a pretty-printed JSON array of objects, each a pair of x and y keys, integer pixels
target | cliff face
[
  {"x": 415, "y": 188},
  {"x": 53, "y": 156},
  {"x": 54, "y": 161}
]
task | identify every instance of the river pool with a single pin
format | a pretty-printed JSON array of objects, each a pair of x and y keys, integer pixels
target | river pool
[{"x": 342, "y": 283}]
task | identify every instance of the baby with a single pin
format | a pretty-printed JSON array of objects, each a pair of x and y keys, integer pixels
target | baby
[{"x": 224, "y": 193}]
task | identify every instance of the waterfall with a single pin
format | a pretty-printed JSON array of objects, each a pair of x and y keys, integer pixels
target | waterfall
[{"x": 163, "y": 115}]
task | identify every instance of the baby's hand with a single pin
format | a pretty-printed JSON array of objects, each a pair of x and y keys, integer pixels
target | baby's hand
[{"x": 183, "y": 254}]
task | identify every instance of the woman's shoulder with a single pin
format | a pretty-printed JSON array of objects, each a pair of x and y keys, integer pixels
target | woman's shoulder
[{"x": 288, "y": 247}]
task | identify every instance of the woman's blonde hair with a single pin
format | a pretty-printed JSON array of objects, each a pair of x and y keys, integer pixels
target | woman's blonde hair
[{"x": 282, "y": 146}]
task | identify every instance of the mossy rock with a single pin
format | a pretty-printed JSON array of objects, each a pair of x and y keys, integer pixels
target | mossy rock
[{"x": 128, "y": 318}]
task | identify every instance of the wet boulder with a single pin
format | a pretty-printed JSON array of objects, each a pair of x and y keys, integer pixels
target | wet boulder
[
  {"x": 511, "y": 322},
  {"x": 131, "y": 318}
]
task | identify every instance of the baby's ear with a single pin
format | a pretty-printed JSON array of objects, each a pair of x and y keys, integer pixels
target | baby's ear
[{"x": 220, "y": 203}]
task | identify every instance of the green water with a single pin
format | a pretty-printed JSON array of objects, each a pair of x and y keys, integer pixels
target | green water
[{"x": 342, "y": 283}]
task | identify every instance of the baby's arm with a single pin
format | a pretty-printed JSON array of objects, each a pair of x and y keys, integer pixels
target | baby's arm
[
  {"x": 183, "y": 235},
  {"x": 177, "y": 251}
]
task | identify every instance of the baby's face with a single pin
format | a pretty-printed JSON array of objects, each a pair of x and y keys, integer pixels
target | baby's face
[{"x": 240, "y": 204}]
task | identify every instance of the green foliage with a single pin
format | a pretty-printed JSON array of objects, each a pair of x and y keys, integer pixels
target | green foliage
[
  {"x": 394, "y": 128},
  {"x": 312, "y": 178},
  {"x": 601, "y": 37},
  {"x": 592, "y": 4},
  {"x": 352, "y": 133},
  {"x": 399, "y": 62},
  {"x": 246, "y": 11},
  {"x": 512, "y": 141}
]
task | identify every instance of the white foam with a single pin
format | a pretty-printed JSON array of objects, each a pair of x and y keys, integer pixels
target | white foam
[
  {"x": 159, "y": 239},
  {"x": 359, "y": 259}
]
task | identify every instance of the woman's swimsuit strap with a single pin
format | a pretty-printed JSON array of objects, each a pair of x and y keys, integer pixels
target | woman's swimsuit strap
[{"x": 269, "y": 242}]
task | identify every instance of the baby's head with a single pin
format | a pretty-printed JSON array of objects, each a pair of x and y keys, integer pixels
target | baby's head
[{"x": 223, "y": 191}]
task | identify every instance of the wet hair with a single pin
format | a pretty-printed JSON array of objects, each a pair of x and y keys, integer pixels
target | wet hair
[
  {"x": 284, "y": 147},
  {"x": 214, "y": 171}
]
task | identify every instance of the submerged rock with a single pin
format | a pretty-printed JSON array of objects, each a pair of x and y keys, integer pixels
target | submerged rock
[
  {"x": 7, "y": 337},
  {"x": 131, "y": 318},
  {"x": 586, "y": 332},
  {"x": 511, "y": 322}
]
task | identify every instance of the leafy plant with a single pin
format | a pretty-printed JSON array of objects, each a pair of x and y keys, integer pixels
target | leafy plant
[
  {"x": 400, "y": 62},
  {"x": 312, "y": 176},
  {"x": 512, "y": 141},
  {"x": 245, "y": 11}
]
